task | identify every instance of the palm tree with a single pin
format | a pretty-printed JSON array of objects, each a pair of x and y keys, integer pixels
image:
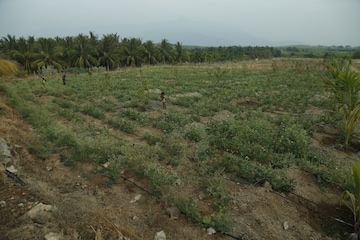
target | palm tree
[
  {"x": 166, "y": 51},
  {"x": 150, "y": 52},
  {"x": 179, "y": 52},
  {"x": 109, "y": 51},
  {"x": 132, "y": 51},
  {"x": 65, "y": 44},
  {"x": 345, "y": 86},
  {"x": 8, "y": 44},
  {"x": 83, "y": 53},
  {"x": 24, "y": 54},
  {"x": 48, "y": 54},
  {"x": 93, "y": 39}
]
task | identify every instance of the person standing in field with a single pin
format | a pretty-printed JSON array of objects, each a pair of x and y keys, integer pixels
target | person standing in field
[
  {"x": 64, "y": 79},
  {"x": 163, "y": 100},
  {"x": 43, "y": 78}
]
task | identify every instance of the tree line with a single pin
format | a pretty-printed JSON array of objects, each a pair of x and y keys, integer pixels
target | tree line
[{"x": 111, "y": 52}]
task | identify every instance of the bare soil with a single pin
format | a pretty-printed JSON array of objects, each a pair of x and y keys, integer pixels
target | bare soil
[{"x": 86, "y": 209}]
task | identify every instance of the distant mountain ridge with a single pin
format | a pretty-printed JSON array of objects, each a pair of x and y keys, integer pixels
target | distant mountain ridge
[
  {"x": 203, "y": 33},
  {"x": 185, "y": 31}
]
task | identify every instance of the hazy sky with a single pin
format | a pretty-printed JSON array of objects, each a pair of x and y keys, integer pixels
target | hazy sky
[{"x": 314, "y": 22}]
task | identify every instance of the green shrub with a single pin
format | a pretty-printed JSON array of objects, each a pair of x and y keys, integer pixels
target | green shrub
[
  {"x": 291, "y": 138},
  {"x": 69, "y": 162},
  {"x": 195, "y": 132},
  {"x": 186, "y": 102},
  {"x": 171, "y": 121},
  {"x": 218, "y": 221},
  {"x": 282, "y": 160},
  {"x": 151, "y": 139},
  {"x": 141, "y": 97},
  {"x": 187, "y": 207},
  {"x": 206, "y": 108},
  {"x": 215, "y": 187},
  {"x": 175, "y": 148},
  {"x": 65, "y": 139},
  {"x": 113, "y": 174},
  {"x": 159, "y": 177},
  {"x": 93, "y": 111},
  {"x": 13, "y": 99},
  {"x": 95, "y": 149},
  {"x": 263, "y": 174},
  {"x": 41, "y": 119},
  {"x": 40, "y": 150},
  {"x": 123, "y": 125},
  {"x": 258, "y": 138},
  {"x": 229, "y": 162},
  {"x": 219, "y": 132},
  {"x": 70, "y": 115},
  {"x": 64, "y": 103},
  {"x": 202, "y": 152},
  {"x": 207, "y": 168},
  {"x": 135, "y": 116},
  {"x": 107, "y": 105},
  {"x": 283, "y": 184},
  {"x": 25, "y": 112}
]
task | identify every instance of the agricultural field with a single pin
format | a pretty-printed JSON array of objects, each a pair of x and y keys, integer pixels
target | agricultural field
[{"x": 252, "y": 150}]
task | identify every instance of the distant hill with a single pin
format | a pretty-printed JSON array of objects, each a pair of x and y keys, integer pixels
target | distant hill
[
  {"x": 188, "y": 32},
  {"x": 200, "y": 33},
  {"x": 203, "y": 34}
]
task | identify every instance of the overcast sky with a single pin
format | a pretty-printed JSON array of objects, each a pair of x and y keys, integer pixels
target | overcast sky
[{"x": 313, "y": 22}]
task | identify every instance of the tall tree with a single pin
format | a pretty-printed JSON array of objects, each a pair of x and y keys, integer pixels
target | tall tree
[
  {"x": 179, "y": 52},
  {"x": 94, "y": 39},
  {"x": 83, "y": 53},
  {"x": 48, "y": 54},
  {"x": 8, "y": 44},
  {"x": 150, "y": 52},
  {"x": 133, "y": 51},
  {"x": 67, "y": 45},
  {"x": 25, "y": 53},
  {"x": 166, "y": 51},
  {"x": 109, "y": 51}
]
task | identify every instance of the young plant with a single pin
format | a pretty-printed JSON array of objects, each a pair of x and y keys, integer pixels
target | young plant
[
  {"x": 345, "y": 85},
  {"x": 349, "y": 199}
]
